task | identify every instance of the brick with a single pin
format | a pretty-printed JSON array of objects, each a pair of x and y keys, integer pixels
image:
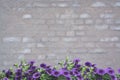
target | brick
[
  {"x": 62, "y": 5},
  {"x": 27, "y": 16},
  {"x": 107, "y": 39},
  {"x": 41, "y": 57},
  {"x": 109, "y": 21},
  {"x": 79, "y": 33},
  {"x": 70, "y": 39},
  {"x": 117, "y": 45},
  {"x": 106, "y": 15},
  {"x": 40, "y": 45},
  {"x": 116, "y": 28},
  {"x": 70, "y": 33},
  {"x": 77, "y": 27},
  {"x": 34, "y": 21},
  {"x": 101, "y": 27},
  {"x": 54, "y": 39},
  {"x": 97, "y": 51},
  {"x": 84, "y": 15},
  {"x": 11, "y": 39},
  {"x": 98, "y": 4},
  {"x": 79, "y": 21},
  {"x": 89, "y": 45},
  {"x": 30, "y": 45},
  {"x": 20, "y": 57},
  {"x": 27, "y": 39},
  {"x": 78, "y": 51},
  {"x": 60, "y": 33},
  {"x": 117, "y": 4},
  {"x": 88, "y": 21},
  {"x": 39, "y": 4},
  {"x": 99, "y": 21},
  {"x": 89, "y": 39},
  {"x": 24, "y": 51},
  {"x": 117, "y": 21},
  {"x": 76, "y": 5}
]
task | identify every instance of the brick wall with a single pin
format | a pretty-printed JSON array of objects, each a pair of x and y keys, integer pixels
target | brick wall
[{"x": 49, "y": 30}]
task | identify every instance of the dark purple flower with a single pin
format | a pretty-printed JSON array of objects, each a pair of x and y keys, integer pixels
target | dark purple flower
[
  {"x": 100, "y": 71},
  {"x": 5, "y": 78},
  {"x": 110, "y": 71},
  {"x": 88, "y": 64},
  {"x": 8, "y": 73},
  {"x": 56, "y": 73},
  {"x": 33, "y": 68},
  {"x": 76, "y": 61},
  {"x": 79, "y": 77},
  {"x": 36, "y": 75},
  {"x": 113, "y": 77},
  {"x": 43, "y": 65},
  {"x": 68, "y": 78},
  {"x": 119, "y": 71},
  {"x": 31, "y": 63},
  {"x": 65, "y": 73}
]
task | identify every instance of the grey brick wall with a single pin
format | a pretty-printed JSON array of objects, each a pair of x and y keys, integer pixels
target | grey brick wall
[{"x": 49, "y": 30}]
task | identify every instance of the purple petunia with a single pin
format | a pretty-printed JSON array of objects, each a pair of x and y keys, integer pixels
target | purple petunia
[
  {"x": 36, "y": 75},
  {"x": 56, "y": 73},
  {"x": 110, "y": 71},
  {"x": 119, "y": 71},
  {"x": 72, "y": 70},
  {"x": 100, "y": 71},
  {"x": 5, "y": 78},
  {"x": 88, "y": 64},
  {"x": 43, "y": 65}
]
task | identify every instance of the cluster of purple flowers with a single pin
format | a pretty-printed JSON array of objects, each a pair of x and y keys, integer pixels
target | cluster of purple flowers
[{"x": 68, "y": 70}]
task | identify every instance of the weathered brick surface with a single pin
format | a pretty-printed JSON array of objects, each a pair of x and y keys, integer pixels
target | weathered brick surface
[{"x": 49, "y": 30}]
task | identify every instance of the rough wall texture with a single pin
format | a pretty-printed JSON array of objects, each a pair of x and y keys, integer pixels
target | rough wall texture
[{"x": 49, "y": 30}]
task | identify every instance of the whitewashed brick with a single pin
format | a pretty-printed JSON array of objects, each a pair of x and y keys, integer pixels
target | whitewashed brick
[
  {"x": 99, "y": 21},
  {"x": 80, "y": 33},
  {"x": 62, "y": 5},
  {"x": 21, "y": 57},
  {"x": 69, "y": 39},
  {"x": 85, "y": 15},
  {"x": 27, "y": 16},
  {"x": 107, "y": 39},
  {"x": 89, "y": 45},
  {"x": 11, "y": 39},
  {"x": 27, "y": 39},
  {"x": 101, "y": 27},
  {"x": 117, "y": 21},
  {"x": 60, "y": 33},
  {"x": 106, "y": 15},
  {"x": 70, "y": 33},
  {"x": 41, "y": 57},
  {"x": 31, "y": 45},
  {"x": 98, "y": 4},
  {"x": 77, "y": 27},
  {"x": 40, "y": 45},
  {"x": 54, "y": 39},
  {"x": 98, "y": 50},
  {"x": 76, "y": 5},
  {"x": 44, "y": 39},
  {"x": 50, "y": 56},
  {"x": 79, "y": 21},
  {"x": 117, "y": 45},
  {"x": 89, "y": 21},
  {"x": 109, "y": 21},
  {"x": 38, "y": 4},
  {"x": 26, "y": 51},
  {"x": 116, "y": 28},
  {"x": 117, "y": 4}
]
